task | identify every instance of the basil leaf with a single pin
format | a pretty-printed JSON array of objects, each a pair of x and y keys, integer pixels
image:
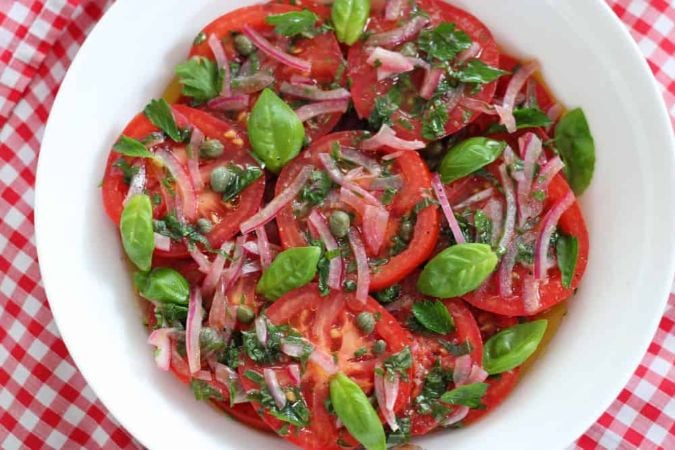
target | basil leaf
[
  {"x": 434, "y": 120},
  {"x": 164, "y": 285},
  {"x": 476, "y": 71},
  {"x": 200, "y": 78},
  {"x": 317, "y": 188},
  {"x": 457, "y": 270},
  {"x": 399, "y": 363},
  {"x": 275, "y": 131},
  {"x": 567, "y": 250},
  {"x": 159, "y": 113},
  {"x": 434, "y": 316},
  {"x": 468, "y": 395},
  {"x": 243, "y": 178},
  {"x": 443, "y": 42},
  {"x": 511, "y": 347},
  {"x": 483, "y": 226},
  {"x": 468, "y": 156},
  {"x": 293, "y": 23},
  {"x": 131, "y": 147},
  {"x": 138, "y": 238},
  {"x": 384, "y": 106},
  {"x": 530, "y": 117},
  {"x": 291, "y": 269},
  {"x": 356, "y": 412},
  {"x": 204, "y": 391},
  {"x": 576, "y": 146},
  {"x": 349, "y": 18}
]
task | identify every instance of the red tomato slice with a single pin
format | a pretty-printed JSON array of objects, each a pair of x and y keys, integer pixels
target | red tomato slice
[
  {"x": 225, "y": 216},
  {"x": 323, "y": 51},
  {"x": 499, "y": 387},
  {"x": 416, "y": 182},
  {"x": 329, "y": 324},
  {"x": 365, "y": 87}
]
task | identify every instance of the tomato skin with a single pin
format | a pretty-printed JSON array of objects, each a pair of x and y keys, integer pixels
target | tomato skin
[
  {"x": 366, "y": 88},
  {"x": 416, "y": 180},
  {"x": 499, "y": 387},
  {"x": 209, "y": 205}
]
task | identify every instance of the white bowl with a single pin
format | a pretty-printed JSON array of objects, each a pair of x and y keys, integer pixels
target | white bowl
[{"x": 588, "y": 59}]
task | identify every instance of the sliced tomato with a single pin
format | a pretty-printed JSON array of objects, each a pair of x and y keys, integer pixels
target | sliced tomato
[
  {"x": 322, "y": 51},
  {"x": 499, "y": 387},
  {"x": 416, "y": 182},
  {"x": 226, "y": 216},
  {"x": 405, "y": 121},
  {"x": 329, "y": 324}
]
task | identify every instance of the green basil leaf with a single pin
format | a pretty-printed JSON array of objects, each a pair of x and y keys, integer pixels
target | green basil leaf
[
  {"x": 356, "y": 412},
  {"x": 476, "y": 71},
  {"x": 511, "y": 347},
  {"x": 468, "y": 156},
  {"x": 443, "y": 42},
  {"x": 163, "y": 284},
  {"x": 200, "y": 78},
  {"x": 434, "y": 120},
  {"x": 291, "y": 269},
  {"x": 131, "y": 147},
  {"x": 567, "y": 250},
  {"x": 293, "y": 23},
  {"x": 275, "y": 131},
  {"x": 457, "y": 270},
  {"x": 576, "y": 146},
  {"x": 138, "y": 238},
  {"x": 204, "y": 391},
  {"x": 483, "y": 226},
  {"x": 525, "y": 118},
  {"x": 349, "y": 18},
  {"x": 159, "y": 113},
  {"x": 468, "y": 395},
  {"x": 434, "y": 315},
  {"x": 243, "y": 178}
]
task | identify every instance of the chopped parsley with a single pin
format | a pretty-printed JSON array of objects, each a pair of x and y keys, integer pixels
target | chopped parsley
[
  {"x": 444, "y": 42},
  {"x": 201, "y": 79},
  {"x": 398, "y": 364}
]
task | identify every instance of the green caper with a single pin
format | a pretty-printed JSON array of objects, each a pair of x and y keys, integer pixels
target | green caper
[
  {"x": 409, "y": 49},
  {"x": 210, "y": 339},
  {"x": 204, "y": 225},
  {"x": 245, "y": 314},
  {"x": 243, "y": 45},
  {"x": 221, "y": 177},
  {"x": 211, "y": 149},
  {"x": 379, "y": 347},
  {"x": 366, "y": 322},
  {"x": 405, "y": 230},
  {"x": 339, "y": 223}
]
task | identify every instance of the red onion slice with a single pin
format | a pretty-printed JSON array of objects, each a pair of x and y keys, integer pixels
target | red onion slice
[
  {"x": 439, "y": 190},
  {"x": 506, "y": 270},
  {"x": 162, "y": 242},
  {"x": 457, "y": 415},
  {"x": 231, "y": 275},
  {"x": 271, "y": 210},
  {"x": 203, "y": 375},
  {"x": 263, "y": 247},
  {"x": 137, "y": 183},
  {"x": 201, "y": 259},
  {"x": 548, "y": 226},
  {"x": 218, "y": 314},
  {"x": 161, "y": 339},
  {"x": 475, "y": 198},
  {"x": 432, "y": 78},
  {"x": 531, "y": 298},
  {"x": 183, "y": 182},
  {"x": 276, "y": 53},
  {"x": 397, "y": 36},
  {"x": 252, "y": 83},
  {"x": 386, "y": 137},
  {"x": 353, "y": 201},
  {"x": 196, "y": 140},
  {"x": 478, "y": 106},
  {"x": 234, "y": 103},
  {"x": 334, "y": 173},
  {"x": 362, "y": 269},
  {"x": 548, "y": 171},
  {"x": 317, "y": 221},
  {"x": 380, "y": 396},
  {"x": 216, "y": 269},
  {"x": 472, "y": 52},
  {"x": 313, "y": 110},
  {"x": 193, "y": 326},
  {"x": 292, "y": 349},
  {"x": 531, "y": 149},
  {"x": 462, "y": 370},
  {"x": 394, "y": 155},
  {"x": 375, "y": 222},
  {"x": 389, "y": 63},
  {"x": 510, "y": 220},
  {"x": 261, "y": 329},
  {"x": 362, "y": 160},
  {"x": 505, "y": 110},
  {"x": 229, "y": 377},
  {"x": 384, "y": 183},
  {"x": 310, "y": 92},
  {"x": 394, "y": 9},
  {"x": 323, "y": 360},
  {"x": 221, "y": 60},
  {"x": 554, "y": 113},
  {"x": 478, "y": 375},
  {"x": 275, "y": 389},
  {"x": 495, "y": 212},
  {"x": 299, "y": 79},
  {"x": 294, "y": 372},
  {"x": 390, "y": 392}
]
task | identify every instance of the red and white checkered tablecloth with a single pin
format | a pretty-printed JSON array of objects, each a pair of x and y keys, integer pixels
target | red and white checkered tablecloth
[{"x": 45, "y": 402}]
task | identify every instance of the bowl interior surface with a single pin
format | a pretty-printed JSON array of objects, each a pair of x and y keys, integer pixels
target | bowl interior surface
[{"x": 588, "y": 60}]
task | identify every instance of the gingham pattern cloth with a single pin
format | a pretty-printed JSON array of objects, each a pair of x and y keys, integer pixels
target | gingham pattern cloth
[{"x": 45, "y": 402}]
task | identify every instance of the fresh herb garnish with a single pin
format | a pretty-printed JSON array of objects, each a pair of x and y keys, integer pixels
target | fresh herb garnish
[
  {"x": 200, "y": 79},
  {"x": 567, "y": 251},
  {"x": 204, "y": 391},
  {"x": 434, "y": 119},
  {"x": 576, "y": 146},
  {"x": 389, "y": 294},
  {"x": 317, "y": 188},
  {"x": 294, "y": 23},
  {"x": 131, "y": 147},
  {"x": 128, "y": 171},
  {"x": 434, "y": 316},
  {"x": 468, "y": 395},
  {"x": 159, "y": 113},
  {"x": 477, "y": 72},
  {"x": 443, "y": 42},
  {"x": 241, "y": 179},
  {"x": 384, "y": 106},
  {"x": 398, "y": 364}
]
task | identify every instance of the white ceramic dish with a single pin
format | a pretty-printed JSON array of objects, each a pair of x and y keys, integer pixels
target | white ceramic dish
[{"x": 588, "y": 59}]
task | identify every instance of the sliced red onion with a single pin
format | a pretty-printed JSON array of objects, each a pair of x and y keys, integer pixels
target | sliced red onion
[
  {"x": 231, "y": 275},
  {"x": 275, "y": 389},
  {"x": 221, "y": 60},
  {"x": 203, "y": 375},
  {"x": 216, "y": 269},
  {"x": 375, "y": 222},
  {"x": 432, "y": 78},
  {"x": 362, "y": 269},
  {"x": 299, "y": 79},
  {"x": 388, "y": 414},
  {"x": 453, "y": 99},
  {"x": 361, "y": 159},
  {"x": 310, "y": 92},
  {"x": 196, "y": 140},
  {"x": 218, "y": 313},
  {"x": 478, "y": 375},
  {"x": 475, "y": 198},
  {"x": 263, "y": 247},
  {"x": 531, "y": 149},
  {"x": 384, "y": 183},
  {"x": 261, "y": 329},
  {"x": 439, "y": 190},
  {"x": 250, "y": 267},
  {"x": 478, "y": 105},
  {"x": 137, "y": 183},
  {"x": 457, "y": 415},
  {"x": 386, "y": 137},
  {"x": 554, "y": 113},
  {"x": 294, "y": 372},
  {"x": 390, "y": 392},
  {"x": 510, "y": 220},
  {"x": 394, "y": 155},
  {"x": 548, "y": 171},
  {"x": 193, "y": 326},
  {"x": 271, "y": 210},
  {"x": 252, "y": 83},
  {"x": 252, "y": 248},
  {"x": 233, "y": 103},
  {"x": 183, "y": 182},
  {"x": 505, "y": 110},
  {"x": 201, "y": 259},
  {"x": 397, "y": 36},
  {"x": 274, "y": 52},
  {"x": 462, "y": 370},
  {"x": 506, "y": 269},
  {"x": 388, "y": 62},
  {"x": 317, "y": 221},
  {"x": 313, "y": 110},
  {"x": 323, "y": 360},
  {"x": 531, "y": 298},
  {"x": 162, "y": 242},
  {"x": 161, "y": 339},
  {"x": 469, "y": 53},
  {"x": 153, "y": 139},
  {"x": 292, "y": 349},
  {"x": 495, "y": 212},
  {"x": 394, "y": 9},
  {"x": 548, "y": 226},
  {"x": 229, "y": 377},
  {"x": 180, "y": 118},
  {"x": 352, "y": 200},
  {"x": 334, "y": 173}
]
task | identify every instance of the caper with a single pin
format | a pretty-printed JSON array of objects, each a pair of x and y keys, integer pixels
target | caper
[
  {"x": 366, "y": 322},
  {"x": 379, "y": 347},
  {"x": 211, "y": 149},
  {"x": 409, "y": 49},
  {"x": 339, "y": 223},
  {"x": 210, "y": 339},
  {"x": 243, "y": 45},
  {"x": 204, "y": 225},
  {"x": 405, "y": 230},
  {"x": 245, "y": 314},
  {"x": 221, "y": 177}
]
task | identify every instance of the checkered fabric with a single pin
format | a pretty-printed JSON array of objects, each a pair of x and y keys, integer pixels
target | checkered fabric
[{"x": 45, "y": 402}]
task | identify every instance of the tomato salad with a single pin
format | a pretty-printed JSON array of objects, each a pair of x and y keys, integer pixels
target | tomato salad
[{"x": 353, "y": 225}]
